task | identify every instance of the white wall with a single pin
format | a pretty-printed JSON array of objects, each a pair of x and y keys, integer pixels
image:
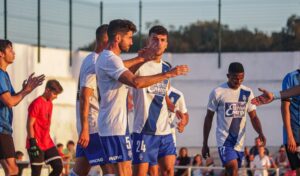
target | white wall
[{"x": 262, "y": 70}]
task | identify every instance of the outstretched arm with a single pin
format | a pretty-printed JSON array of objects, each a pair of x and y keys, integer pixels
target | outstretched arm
[
  {"x": 268, "y": 97},
  {"x": 28, "y": 85}
]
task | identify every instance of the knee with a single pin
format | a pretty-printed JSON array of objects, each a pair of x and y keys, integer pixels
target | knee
[{"x": 57, "y": 167}]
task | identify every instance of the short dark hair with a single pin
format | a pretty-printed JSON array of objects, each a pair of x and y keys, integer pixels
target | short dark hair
[
  {"x": 4, "y": 44},
  {"x": 159, "y": 30},
  {"x": 18, "y": 153},
  {"x": 235, "y": 67},
  {"x": 59, "y": 145},
  {"x": 101, "y": 31},
  {"x": 119, "y": 26},
  {"x": 70, "y": 142},
  {"x": 54, "y": 85}
]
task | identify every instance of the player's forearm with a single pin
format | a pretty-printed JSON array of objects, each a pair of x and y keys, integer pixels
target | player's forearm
[
  {"x": 206, "y": 130},
  {"x": 84, "y": 113},
  {"x": 13, "y": 100},
  {"x": 256, "y": 125},
  {"x": 134, "y": 64},
  {"x": 30, "y": 129},
  {"x": 146, "y": 81},
  {"x": 294, "y": 91},
  {"x": 286, "y": 117}
]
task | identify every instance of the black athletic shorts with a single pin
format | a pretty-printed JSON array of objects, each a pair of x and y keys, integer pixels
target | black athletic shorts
[
  {"x": 45, "y": 156},
  {"x": 7, "y": 148},
  {"x": 294, "y": 158}
]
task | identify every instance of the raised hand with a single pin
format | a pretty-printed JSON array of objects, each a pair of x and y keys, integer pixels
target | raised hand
[
  {"x": 149, "y": 52},
  {"x": 179, "y": 70},
  {"x": 33, "y": 82},
  {"x": 265, "y": 98}
]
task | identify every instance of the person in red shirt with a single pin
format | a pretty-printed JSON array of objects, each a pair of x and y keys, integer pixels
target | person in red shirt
[{"x": 39, "y": 144}]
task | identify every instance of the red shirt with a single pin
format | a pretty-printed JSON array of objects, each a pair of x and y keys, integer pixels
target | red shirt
[{"x": 41, "y": 110}]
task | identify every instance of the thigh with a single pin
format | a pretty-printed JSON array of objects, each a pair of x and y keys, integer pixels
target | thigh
[
  {"x": 7, "y": 148},
  {"x": 145, "y": 148},
  {"x": 167, "y": 162},
  {"x": 51, "y": 155},
  {"x": 294, "y": 158},
  {"x": 94, "y": 152},
  {"x": 117, "y": 148},
  {"x": 167, "y": 146}
]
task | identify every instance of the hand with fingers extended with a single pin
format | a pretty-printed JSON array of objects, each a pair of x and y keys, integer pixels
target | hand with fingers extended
[
  {"x": 205, "y": 151},
  {"x": 148, "y": 52},
  {"x": 33, "y": 82},
  {"x": 265, "y": 98},
  {"x": 84, "y": 138},
  {"x": 179, "y": 70},
  {"x": 34, "y": 150}
]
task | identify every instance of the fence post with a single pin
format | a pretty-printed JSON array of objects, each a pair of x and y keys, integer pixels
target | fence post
[
  {"x": 39, "y": 30},
  {"x": 5, "y": 19},
  {"x": 70, "y": 32}
]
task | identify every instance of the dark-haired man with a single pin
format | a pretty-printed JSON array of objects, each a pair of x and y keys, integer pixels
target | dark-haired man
[
  {"x": 8, "y": 99},
  {"x": 231, "y": 101},
  {"x": 153, "y": 142},
  {"x": 112, "y": 77},
  {"x": 39, "y": 144}
]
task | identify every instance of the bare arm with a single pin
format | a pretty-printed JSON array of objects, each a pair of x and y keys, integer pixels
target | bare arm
[
  {"x": 30, "y": 130},
  {"x": 257, "y": 125},
  {"x": 294, "y": 91},
  {"x": 28, "y": 86},
  {"x": 85, "y": 94},
  {"x": 134, "y": 64},
  {"x": 132, "y": 80},
  {"x": 286, "y": 118},
  {"x": 206, "y": 130}
]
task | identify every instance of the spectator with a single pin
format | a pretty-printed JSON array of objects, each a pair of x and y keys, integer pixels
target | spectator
[
  {"x": 281, "y": 160},
  {"x": 254, "y": 149},
  {"x": 19, "y": 158},
  {"x": 197, "y": 161},
  {"x": 209, "y": 163},
  {"x": 261, "y": 162},
  {"x": 247, "y": 160},
  {"x": 69, "y": 154},
  {"x": 183, "y": 160}
]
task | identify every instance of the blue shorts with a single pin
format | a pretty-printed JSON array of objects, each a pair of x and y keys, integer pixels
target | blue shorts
[
  {"x": 149, "y": 148},
  {"x": 94, "y": 152},
  {"x": 228, "y": 154},
  {"x": 117, "y": 148}
]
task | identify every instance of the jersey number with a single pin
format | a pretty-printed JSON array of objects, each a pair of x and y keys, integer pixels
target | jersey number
[
  {"x": 141, "y": 146},
  {"x": 128, "y": 145}
]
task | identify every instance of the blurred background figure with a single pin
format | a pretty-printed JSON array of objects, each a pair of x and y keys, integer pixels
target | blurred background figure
[
  {"x": 183, "y": 160},
  {"x": 197, "y": 161}
]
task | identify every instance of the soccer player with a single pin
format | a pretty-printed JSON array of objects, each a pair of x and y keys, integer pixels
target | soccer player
[
  {"x": 291, "y": 121},
  {"x": 113, "y": 77},
  {"x": 231, "y": 101},
  {"x": 179, "y": 111},
  {"x": 39, "y": 144},
  {"x": 89, "y": 151},
  {"x": 268, "y": 97},
  {"x": 152, "y": 139},
  {"x": 8, "y": 99}
]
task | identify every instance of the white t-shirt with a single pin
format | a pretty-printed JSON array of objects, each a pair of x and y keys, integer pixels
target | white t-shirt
[
  {"x": 261, "y": 163},
  {"x": 150, "y": 107},
  {"x": 112, "y": 119},
  {"x": 231, "y": 107},
  {"x": 177, "y": 99},
  {"x": 87, "y": 78}
]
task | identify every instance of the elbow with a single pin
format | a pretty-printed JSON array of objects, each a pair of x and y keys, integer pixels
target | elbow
[{"x": 10, "y": 105}]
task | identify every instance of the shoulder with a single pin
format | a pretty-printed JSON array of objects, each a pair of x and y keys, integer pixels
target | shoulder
[
  {"x": 246, "y": 88},
  {"x": 292, "y": 74},
  {"x": 176, "y": 91}
]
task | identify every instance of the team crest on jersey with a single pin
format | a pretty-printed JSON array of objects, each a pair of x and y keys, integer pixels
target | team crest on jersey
[
  {"x": 235, "y": 110},
  {"x": 159, "y": 89}
]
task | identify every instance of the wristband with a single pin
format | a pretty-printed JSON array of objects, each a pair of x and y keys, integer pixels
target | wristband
[{"x": 276, "y": 95}]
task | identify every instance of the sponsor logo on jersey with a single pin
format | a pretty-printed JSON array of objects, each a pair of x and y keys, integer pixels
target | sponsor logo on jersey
[
  {"x": 235, "y": 110},
  {"x": 159, "y": 89}
]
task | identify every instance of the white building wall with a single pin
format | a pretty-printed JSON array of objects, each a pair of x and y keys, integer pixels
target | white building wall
[{"x": 262, "y": 70}]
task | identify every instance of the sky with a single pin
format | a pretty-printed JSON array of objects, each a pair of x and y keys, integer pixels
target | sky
[{"x": 265, "y": 15}]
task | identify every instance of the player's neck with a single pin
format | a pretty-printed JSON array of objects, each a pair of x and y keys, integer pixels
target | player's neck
[
  {"x": 114, "y": 47},
  {"x": 232, "y": 87},
  {"x": 3, "y": 65},
  {"x": 157, "y": 59},
  {"x": 99, "y": 48}
]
